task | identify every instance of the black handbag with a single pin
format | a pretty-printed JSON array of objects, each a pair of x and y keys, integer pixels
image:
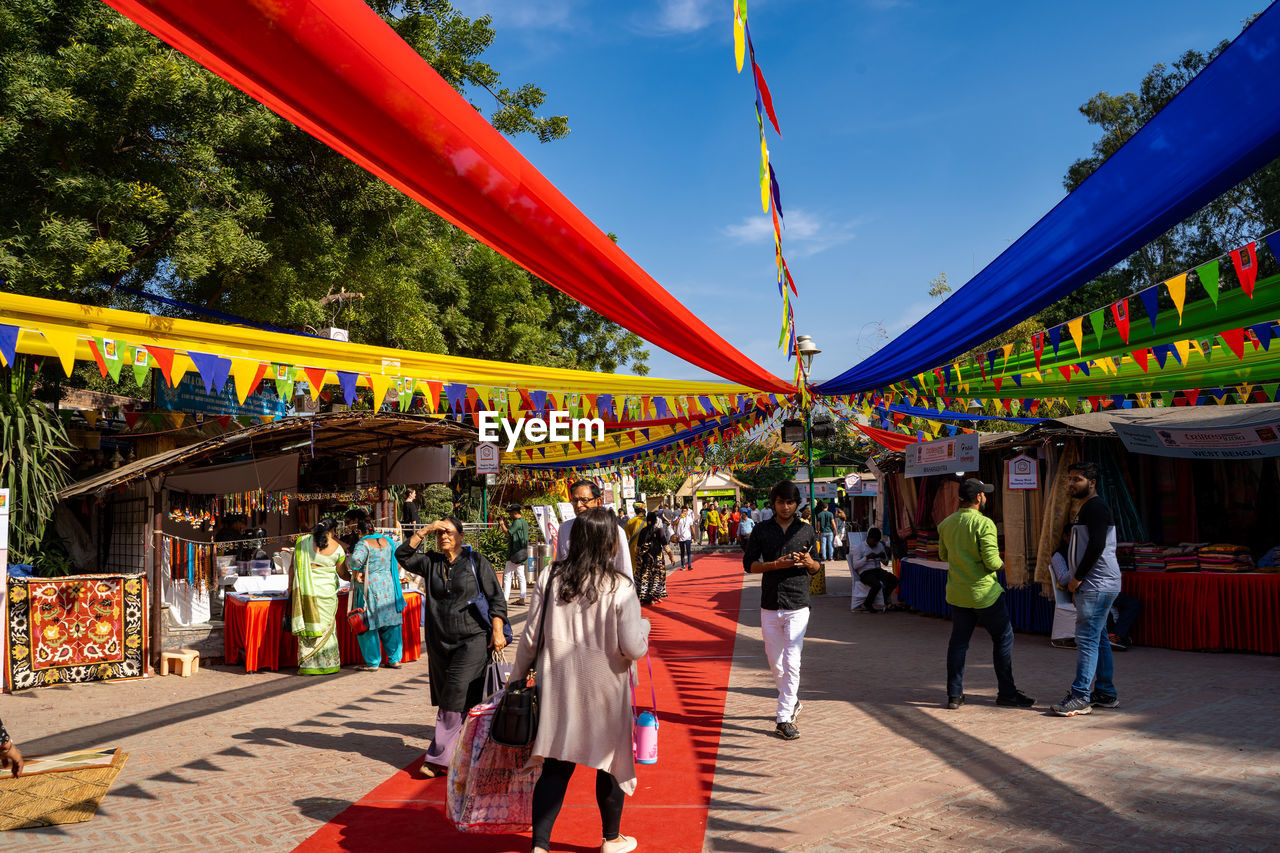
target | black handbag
[{"x": 515, "y": 720}]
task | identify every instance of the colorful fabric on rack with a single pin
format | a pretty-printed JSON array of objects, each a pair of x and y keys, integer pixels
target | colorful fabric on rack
[{"x": 77, "y": 629}]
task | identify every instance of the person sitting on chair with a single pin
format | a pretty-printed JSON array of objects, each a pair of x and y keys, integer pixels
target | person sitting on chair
[{"x": 868, "y": 560}]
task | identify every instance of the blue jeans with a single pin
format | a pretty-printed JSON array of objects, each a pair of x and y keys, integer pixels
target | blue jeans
[
  {"x": 1093, "y": 650},
  {"x": 827, "y": 544},
  {"x": 996, "y": 620},
  {"x": 686, "y": 553}
]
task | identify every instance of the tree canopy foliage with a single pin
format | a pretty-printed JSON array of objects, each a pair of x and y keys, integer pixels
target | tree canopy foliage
[{"x": 125, "y": 163}]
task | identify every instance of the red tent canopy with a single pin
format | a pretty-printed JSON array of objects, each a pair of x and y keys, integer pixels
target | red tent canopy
[
  {"x": 886, "y": 439},
  {"x": 339, "y": 72}
]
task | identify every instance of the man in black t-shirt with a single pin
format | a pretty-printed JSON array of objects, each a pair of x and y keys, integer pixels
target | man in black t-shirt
[{"x": 784, "y": 550}]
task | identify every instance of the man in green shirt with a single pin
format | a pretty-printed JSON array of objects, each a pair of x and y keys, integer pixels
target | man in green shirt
[
  {"x": 517, "y": 552},
  {"x": 967, "y": 542}
]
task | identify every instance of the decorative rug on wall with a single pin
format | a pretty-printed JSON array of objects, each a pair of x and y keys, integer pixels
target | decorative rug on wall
[{"x": 76, "y": 629}]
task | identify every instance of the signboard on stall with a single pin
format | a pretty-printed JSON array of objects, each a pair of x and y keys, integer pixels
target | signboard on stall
[
  {"x": 547, "y": 524},
  {"x": 1022, "y": 472},
  {"x": 943, "y": 456},
  {"x": 1258, "y": 440},
  {"x": 189, "y": 395},
  {"x": 856, "y": 487},
  {"x": 488, "y": 458},
  {"x": 565, "y": 510}
]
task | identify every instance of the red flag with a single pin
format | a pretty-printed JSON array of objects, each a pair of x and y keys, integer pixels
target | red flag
[
  {"x": 97, "y": 356},
  {"x": 765, "y": 97},
  {"x": 1234, "y": 339},
  {"x": 1120, "y": 312},
  {"x": 1191, "y": 395},
  {"x": 164, "y": 360},
  {"x": 1037, "y": 346},
  {"x": 1246, "y": 268},
  {"x": 1140, "y": 356}
]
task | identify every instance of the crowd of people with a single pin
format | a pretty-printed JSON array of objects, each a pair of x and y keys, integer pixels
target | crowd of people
[{"x": 607, "y": 567}]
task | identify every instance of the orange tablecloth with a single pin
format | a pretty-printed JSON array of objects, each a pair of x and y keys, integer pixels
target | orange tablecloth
[
  {"x": 1207, "y": 610},
  {"x": 254, "y": 630}
]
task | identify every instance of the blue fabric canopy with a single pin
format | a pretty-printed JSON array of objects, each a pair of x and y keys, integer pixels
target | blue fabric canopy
[{"x": 1220, "y": 129}]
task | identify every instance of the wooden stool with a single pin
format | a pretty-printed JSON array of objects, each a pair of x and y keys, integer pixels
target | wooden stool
[{"x": 187, "y": 662}]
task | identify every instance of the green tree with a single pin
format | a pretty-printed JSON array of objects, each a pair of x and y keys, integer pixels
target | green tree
[
  {"x": 125, "y": 163},
  {"x": 1247, "y": 210}
]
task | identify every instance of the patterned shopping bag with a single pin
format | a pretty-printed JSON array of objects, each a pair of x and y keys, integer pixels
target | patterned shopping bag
[{"x": 490, "y": 785}]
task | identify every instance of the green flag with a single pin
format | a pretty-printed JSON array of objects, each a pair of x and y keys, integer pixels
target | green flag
[{"x": 1209, "y": 279}]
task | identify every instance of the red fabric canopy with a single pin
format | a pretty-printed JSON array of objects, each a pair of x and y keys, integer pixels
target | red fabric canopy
[
  {"x": 336, "y": 70},
  {"x": 886, "y": 439}
]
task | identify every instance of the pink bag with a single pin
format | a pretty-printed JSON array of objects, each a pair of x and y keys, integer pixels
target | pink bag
[
  {"x": 644, "y": 733},
  {"x": 490, "y": 785}
]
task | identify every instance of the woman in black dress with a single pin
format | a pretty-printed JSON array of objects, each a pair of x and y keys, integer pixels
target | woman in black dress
[{"x": 458, "y": 640}]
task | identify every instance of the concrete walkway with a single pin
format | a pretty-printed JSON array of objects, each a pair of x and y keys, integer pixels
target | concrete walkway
[{"x": 1191, "y": 761}]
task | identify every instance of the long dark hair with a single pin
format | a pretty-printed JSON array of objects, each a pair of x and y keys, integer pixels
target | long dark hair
[
  {"x": 651, "y": 533},
  {"x": 593, "y": 540},
  {"x": 320, "y": 533}
]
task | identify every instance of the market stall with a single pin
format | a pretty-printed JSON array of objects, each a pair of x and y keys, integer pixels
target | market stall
[
  {"x": 1195, "y": 493},
  {"x": 160, "y": 516},
  {"x": 255, "y": 631}
]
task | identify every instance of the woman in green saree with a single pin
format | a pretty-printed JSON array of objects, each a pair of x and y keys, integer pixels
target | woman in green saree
[{"x": 313, "y": 599}]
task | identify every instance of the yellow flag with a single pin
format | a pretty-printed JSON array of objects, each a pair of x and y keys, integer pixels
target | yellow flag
[
  {"x": 381, "y": 385},
  {"x": 1076, "y": 328},
  {"x": 739, "y": 38},
  {"x": 64, "y": 342},
  {"x": 1184, "y": 350},
  {"x": 1008, "y": 349},
  {"x": 242, "y": 371},
  {"x": 182, "y": 365},
  {"x": 764, "y": 174},
  {"x": 1178, "y": 290}
]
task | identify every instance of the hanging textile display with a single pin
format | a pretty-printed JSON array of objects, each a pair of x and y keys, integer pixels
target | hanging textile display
[{"x": 74, "y": 630}]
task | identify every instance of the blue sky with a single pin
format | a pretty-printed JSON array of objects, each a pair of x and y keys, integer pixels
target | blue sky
[{"x": 919, "y": 137}]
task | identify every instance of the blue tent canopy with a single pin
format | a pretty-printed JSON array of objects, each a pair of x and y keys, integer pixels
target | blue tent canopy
[{"x": 1220, "y": 129}]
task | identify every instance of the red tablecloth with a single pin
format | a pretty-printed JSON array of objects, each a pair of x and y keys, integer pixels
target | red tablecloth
[
  {"x": 254, "y": 630},
  {"x": 1207, "y": 610}
]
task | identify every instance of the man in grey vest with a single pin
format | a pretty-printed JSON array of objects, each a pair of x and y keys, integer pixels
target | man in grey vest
[{"x": 1095, "y": 583}]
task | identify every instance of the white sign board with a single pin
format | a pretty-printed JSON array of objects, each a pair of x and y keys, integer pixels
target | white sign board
[
  {"x": 566, "y": 511},
  {"x": 943, "y": 456},
  {"x": 860, "y": 488},
  {"x": 628, "y": 487},
  {"x": 487, "y": 458},
  {"x": 1022, "y": 472},
  {"x": 1241, "y": 441}
]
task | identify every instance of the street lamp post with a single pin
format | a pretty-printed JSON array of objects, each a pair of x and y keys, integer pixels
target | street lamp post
[{"x": 808, "y": 349}]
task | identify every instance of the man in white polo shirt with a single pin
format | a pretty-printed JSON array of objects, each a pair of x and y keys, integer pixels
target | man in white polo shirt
[{"x": 585, "y": 495}]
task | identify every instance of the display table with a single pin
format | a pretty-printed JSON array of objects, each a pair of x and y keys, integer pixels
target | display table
[
  {"x": 254, "y": 630},
  {"x": 923, "y": 585},
  {"x": 1207, "y": 610}
]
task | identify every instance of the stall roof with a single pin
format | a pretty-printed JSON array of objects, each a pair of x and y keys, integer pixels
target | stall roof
[
  {"x": 1100, "y": 423},
  {"x": 336, "y": 434}
]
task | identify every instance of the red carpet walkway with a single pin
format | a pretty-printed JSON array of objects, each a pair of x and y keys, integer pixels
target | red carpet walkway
[{"x": 692, "y": 649}]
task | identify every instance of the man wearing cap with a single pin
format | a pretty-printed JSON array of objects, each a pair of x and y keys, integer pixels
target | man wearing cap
[
  {"x": 517, "y": 552},
  {"x": 967, "y": 542}
]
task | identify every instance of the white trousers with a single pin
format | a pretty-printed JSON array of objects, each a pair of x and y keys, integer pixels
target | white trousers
[
  {"x": 783, "y": 639},
  {"x": 514, "y": 570}
]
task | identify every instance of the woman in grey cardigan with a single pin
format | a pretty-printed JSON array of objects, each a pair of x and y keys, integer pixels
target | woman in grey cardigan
[{"x": 593, "y": 631}]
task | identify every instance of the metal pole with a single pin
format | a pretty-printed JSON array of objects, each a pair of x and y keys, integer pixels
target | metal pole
[{"x": 808, "y": 449}]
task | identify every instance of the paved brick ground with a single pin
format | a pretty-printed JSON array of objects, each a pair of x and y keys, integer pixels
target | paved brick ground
[{"x": 1190, "y": 762}]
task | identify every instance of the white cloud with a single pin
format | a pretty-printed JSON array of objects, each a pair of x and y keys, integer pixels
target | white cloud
[
  {"x": 685, "y": 16},
  {"x": 803, "y": 234},
  {"x": 520, "y": 14}
]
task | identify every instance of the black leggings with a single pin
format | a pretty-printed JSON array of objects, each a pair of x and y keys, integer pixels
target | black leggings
[{"x": 548, "y": 797}]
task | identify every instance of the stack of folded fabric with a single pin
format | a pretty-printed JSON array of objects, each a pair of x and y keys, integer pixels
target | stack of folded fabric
[
  {"x": 1224, "y": 557},
  {"x": 1182, "y": 558},
  {"x": 1124, "y": 555},
  {"x": 1148, "y": 557},
  {"x": 927, "y": 545}
]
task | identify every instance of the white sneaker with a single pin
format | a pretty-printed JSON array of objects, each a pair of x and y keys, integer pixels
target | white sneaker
[{"x": 795, "y": 715}]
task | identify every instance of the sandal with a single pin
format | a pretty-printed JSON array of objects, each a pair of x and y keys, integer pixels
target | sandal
[
  {"x": 366, "y": 668},
  {"x": 393, "y": 665},
  {"x": 431, "y": 771}
]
